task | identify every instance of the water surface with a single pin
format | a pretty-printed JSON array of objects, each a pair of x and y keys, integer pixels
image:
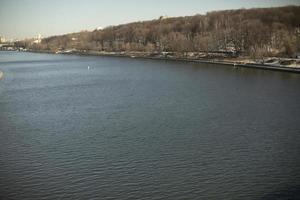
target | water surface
[{"x": 145, "y": 129}]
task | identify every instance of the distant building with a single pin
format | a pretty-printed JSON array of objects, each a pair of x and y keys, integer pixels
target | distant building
[
  {"x": 163, "y": 17},
  {"x": 38, "y": 39},
  {"x": 2, "y": 39}
]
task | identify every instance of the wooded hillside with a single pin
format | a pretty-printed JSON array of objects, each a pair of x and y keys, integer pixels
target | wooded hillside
[{"x": 253, "y": 32}]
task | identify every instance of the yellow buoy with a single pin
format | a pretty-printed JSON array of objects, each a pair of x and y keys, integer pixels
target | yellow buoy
[{"x": 1, "y": 74}]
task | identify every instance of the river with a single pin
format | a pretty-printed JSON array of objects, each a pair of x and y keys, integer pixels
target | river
[{"x": 87, "y": 127}]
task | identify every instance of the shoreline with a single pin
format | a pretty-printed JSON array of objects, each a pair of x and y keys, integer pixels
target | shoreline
[{"x": 235, "y": 62}]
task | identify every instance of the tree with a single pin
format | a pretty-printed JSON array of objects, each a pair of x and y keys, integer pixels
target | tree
[{"x": 254, "y": 32}]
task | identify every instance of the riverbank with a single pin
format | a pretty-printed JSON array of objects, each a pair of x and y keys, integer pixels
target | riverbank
[{"x": 279, "y": 64}]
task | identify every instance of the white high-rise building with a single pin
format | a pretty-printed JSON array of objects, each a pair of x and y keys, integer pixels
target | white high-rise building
[
  {"x": 2, "y": 39},
  {"x": 38, "y": 39}
]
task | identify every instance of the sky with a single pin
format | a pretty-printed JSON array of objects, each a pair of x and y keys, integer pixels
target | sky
[{"x": 21, "y": 19}]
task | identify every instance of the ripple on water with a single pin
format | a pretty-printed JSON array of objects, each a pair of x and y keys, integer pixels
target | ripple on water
[{"x": 144, "y": 129}]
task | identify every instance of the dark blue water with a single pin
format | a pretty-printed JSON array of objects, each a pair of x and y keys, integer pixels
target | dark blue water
[{"x": 145, "y": 129}]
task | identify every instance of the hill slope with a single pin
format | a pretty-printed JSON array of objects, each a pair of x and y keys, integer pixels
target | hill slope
[{"x": 251, "y": 32}]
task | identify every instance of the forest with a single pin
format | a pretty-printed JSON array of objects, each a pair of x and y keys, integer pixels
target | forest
[{"x": 254, "y": 32}]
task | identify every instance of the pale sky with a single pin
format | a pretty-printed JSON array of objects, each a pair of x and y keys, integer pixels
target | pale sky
[{"x": 26, "y": 18}]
